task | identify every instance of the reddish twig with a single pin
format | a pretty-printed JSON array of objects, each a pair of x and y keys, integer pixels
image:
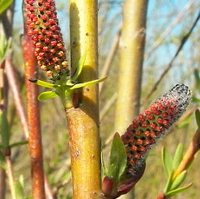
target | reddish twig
[{"x": 35, "y": 139}]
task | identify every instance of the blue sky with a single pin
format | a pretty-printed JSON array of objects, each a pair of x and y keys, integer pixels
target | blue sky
[{"x": 160, "y": 15}]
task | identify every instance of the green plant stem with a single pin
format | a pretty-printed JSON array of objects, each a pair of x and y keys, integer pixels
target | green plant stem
[
  {"x": 131, "y": 46},
  {"x": 33, "y": 117},
  {"x": 2, "y": 108},
  {"x": 83, "y": 122}
]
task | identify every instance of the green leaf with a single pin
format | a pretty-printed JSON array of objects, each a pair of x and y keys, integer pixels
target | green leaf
[
  {"x": 105, "y": 170},
  {"x": 80, "y": 85},
  {"x": 197, "y": 78},
  {"x": 176, "y": 191},
  {"x": 43, "y": 83},
  {"x": 18, "y": 144},
  {"x": 197, "y": 115},
  {"x": 118, "y": 158},
  {"x": 195, "y": 100},
  {"x": 185, "y": 122},
  {"x": 79, "y": 68},
  {"x": 47, "y": 95},
  {"x": 4, "y": 130},
  {"x": 2, "y": 161},
  {"x": 178, "y": 180},
  {"x": 167, "y": 162},
  {"x": 4, "y": 46},
  {"x": 4, "y": 4},
  {"x": 169, "y": 182},
  {"x": 178, "y": 156},
  {"x": 19, "y": 190}
]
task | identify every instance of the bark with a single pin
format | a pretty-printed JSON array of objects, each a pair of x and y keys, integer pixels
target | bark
[
  {"x": 33, "y": 117},
  {"x": 83, "y": 122},
  {"x": 131, "y": 46}
]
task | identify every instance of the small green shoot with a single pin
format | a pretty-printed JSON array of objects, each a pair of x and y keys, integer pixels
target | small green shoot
[
  {"x": 4, "y": 44},
  {"x": 167, "y": 162},
  {"x": 79, "y": 69},
  {"x": 4, "y": 130},
  {"x": 65, "y": 90},
  {"x": 19, "y": 188},
  {"x": 178, "y": 180},
  {"x": 176, "y": 191},
  {"x": 178, "y": 156},
  {"x": 118, "y": 159},
  {"x": 47, "y": 95},
  {"x": 170, "y": 166}
]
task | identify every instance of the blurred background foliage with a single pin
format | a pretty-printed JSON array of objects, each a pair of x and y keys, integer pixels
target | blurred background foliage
[{"x": 167, "y": 24}]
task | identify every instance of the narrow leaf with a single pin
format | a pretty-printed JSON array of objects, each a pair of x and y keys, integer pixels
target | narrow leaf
[
  {"x": 197, "y": 115},
  {"x": 47, "y": 95},
  {"x": 2, "y": 161},
  {"x": 197, "y": 78},
  {"x": 43, "y": 83},
  {"x": 169, "y": 182},
  {"x": 167, "y": 162},
  {"x": 105, "y": 170},
  {"x": 18, "y": 144},
  {"x": 4, "y": 4},
  {"x": 176, "y": 191},
  {"x": 195, "y": 99},
  {"x": 79, "y": 68},
  {"x": 4, "y": 46},
  {"x": 178, "y": 156},
  {"x": 19, "y": 190},
  {"x": 118, "y": 158},
  {"x": 178, "y": 180},
  {"x": 80, "y": 85},
  {"x": 184, "y": 122},
  {"x": 4, "y": 130}
]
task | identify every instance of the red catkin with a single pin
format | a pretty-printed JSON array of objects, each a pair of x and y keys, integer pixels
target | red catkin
[
  {"x": 149, "y": 126},
  {"x": 43, "y": 27}
]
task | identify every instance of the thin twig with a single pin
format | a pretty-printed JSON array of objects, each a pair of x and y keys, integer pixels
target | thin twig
[
  {"x": 13, "y": 84},
  {"x": 9, "y": 173},
  {"x": 183, "y": 41},
  {"x": 108, "y": 104},
  {"x": 170, "y": 28},
  {"x": 110, "y": 57}
]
